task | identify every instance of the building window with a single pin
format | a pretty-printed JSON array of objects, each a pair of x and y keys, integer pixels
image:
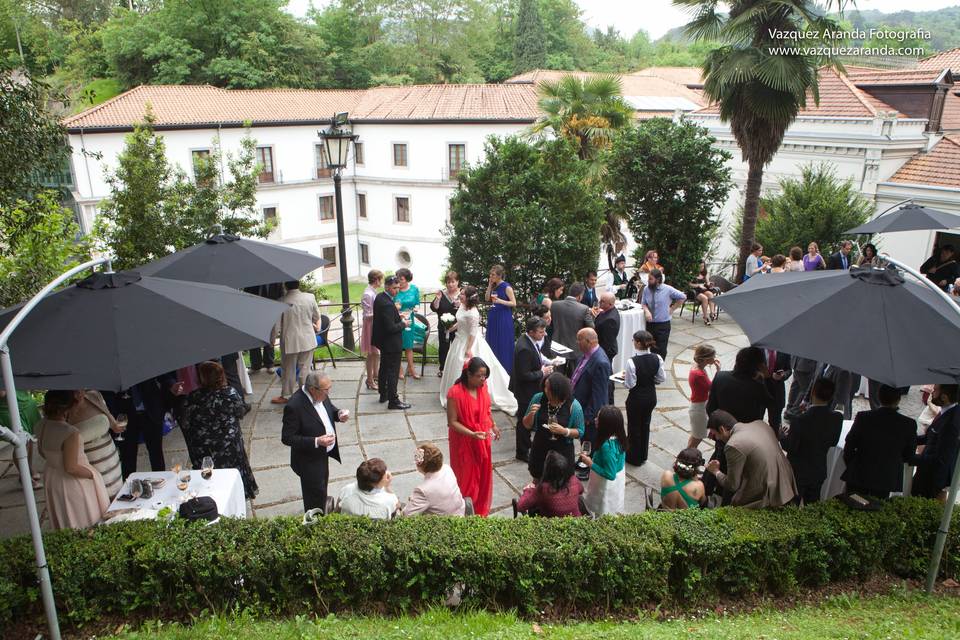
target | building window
[
  {"x": 199, "y": 157},
  {"x": 326, "y": 208},
  {"x": 456, "y": 158},
  {"x": 364, "y": 253},
  {"x": 403, "y": 208},
  {"x": 265, "y": 159},
  {"x": 400, "y": 155},
  {"x": 269, "y": 214},
  {"x": 320, "y": 159},
  {"x": 362, "y": 205},
  {"x": 329, "y": 254},
  {"x": 358, "y": 153}
]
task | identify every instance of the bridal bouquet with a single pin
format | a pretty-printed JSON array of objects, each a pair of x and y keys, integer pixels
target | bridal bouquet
[{"x": 447, "y": 320}]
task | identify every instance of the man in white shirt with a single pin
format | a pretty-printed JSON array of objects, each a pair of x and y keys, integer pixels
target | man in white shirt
[
  {"x": 370, "y": 495},
  {"x": 309, "y": 430}
]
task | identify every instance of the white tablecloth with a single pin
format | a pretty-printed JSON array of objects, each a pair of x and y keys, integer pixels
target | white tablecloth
[
  {"x": 630, "y": 322},
  {"x": 224, "y": 486},
  {"x": 833, "y": 485}
]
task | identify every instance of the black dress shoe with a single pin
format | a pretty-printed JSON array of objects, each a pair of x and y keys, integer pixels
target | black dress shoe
[
  {"x": 399, "y": 406},
  {"x": 524, "y": 456},
  {"x": 382, "y": 400},
  {"x": 246, "y": 408}
]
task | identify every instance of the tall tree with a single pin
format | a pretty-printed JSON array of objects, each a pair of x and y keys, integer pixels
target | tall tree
[
  {"x": 759, "y": 87},
  {"x": 530, "y": 40},
  {"x": 585, "y": 111},
  {"x": 547, "y": 214},
  {"x": 671, "y": 180}
]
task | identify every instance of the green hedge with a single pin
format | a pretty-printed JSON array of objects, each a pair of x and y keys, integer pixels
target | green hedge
[{"x": 278, "y": 565}]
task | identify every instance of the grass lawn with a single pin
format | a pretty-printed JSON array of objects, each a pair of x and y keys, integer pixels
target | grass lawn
[{"x": 901, "y": 614}]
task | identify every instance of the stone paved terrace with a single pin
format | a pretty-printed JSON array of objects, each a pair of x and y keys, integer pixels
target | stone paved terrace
[{"x": 373, "y": 431}]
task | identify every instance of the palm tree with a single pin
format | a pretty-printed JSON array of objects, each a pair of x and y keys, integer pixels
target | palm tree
[
  {"x": 760, "y": 92},
  {"x": 585, "y": 111}
]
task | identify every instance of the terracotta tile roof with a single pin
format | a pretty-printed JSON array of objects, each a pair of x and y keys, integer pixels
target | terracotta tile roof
[
  {"x": 191, "y": 105},
  {"x": 877, "y": 77},
  {"x": 944, "y": 60},
  {"x": 838, "y": 97},
  {"x": 940, "y": 166},
  {"x": 950, "y": 121},
  {"x": 680, "y": 75},
  {"x": 633, "y": 84}
]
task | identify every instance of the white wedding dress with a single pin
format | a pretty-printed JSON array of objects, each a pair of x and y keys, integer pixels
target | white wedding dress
[{"x": 498, "y": 383}]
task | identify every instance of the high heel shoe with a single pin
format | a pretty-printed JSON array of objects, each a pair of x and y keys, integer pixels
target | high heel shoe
[{"x": 413, "y": 375}]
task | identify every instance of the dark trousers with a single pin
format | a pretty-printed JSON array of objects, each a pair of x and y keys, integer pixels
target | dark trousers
[
  {"x": 798, "y": 390},
  {"x": 389, "y": 372},
  {"x": 810, "y": 492},
  {"x": 230, "y": 370},
  {"x": 639, "y": 411},
  {"x": 444, "y": 345},
  {"x": 262, "y": 357},
  {"x": 314, "y": 494},
  {"x": 661, "y": 333},
  {"x": 523, "y": 435},
  {"x": 140, "y": 423}
]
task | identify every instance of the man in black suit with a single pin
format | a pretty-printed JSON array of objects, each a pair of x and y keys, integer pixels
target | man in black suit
[
  {"x": 387, "y": 336},
  {"x": 742, "y": 392},
  {"x": 878, "y": 444},
  {"x": 777, "y": 371},
  {"x": 145, "y": 404},
  {"x": 841, "y": 259},
  {"x": 309, "y": 420},
  {"x": 810, "y": 437},
  {"x": 607, "y": 324},
  {"x": 530, "y": 367},
  {"x": 935, "y": 463},
  {"x": 590, "y": 379}
]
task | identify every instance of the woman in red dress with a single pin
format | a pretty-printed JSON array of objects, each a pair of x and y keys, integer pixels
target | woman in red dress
[{"x": 471, "y": 427}]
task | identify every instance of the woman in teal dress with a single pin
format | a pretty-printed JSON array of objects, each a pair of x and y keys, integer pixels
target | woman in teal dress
[{"x": 408, "y": 299}]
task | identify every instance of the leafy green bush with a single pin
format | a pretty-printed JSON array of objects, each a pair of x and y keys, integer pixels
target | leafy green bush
[{"x": 278, "y": 565}]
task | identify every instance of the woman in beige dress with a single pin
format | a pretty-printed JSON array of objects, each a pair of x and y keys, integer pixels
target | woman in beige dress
[
  {"x": 75, "y": 493},
  {"x": 94, "y": 421}
]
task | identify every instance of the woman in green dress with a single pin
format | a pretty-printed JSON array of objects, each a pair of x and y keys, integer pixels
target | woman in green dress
[{"x": 408, "y": 301}]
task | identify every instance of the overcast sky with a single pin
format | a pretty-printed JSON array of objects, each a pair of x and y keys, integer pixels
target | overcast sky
[{"x": 659, "y": 16}]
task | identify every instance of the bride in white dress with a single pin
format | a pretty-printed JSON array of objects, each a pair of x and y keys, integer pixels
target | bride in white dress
[{"x": 469, "y": 343}]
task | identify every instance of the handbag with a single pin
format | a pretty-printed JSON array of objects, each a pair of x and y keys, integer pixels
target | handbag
[{"x": 199, "y": 508}]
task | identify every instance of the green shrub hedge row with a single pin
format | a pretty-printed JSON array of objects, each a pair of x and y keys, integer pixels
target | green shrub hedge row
[{"x": 279, "y": 565}]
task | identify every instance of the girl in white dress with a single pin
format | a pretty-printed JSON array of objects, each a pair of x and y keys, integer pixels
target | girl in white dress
[{"x": 467, "y": 344}]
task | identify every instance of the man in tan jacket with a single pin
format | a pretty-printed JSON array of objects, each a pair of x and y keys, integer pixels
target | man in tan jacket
[
  {"x": 758, "y": 473},
  {"x": 298, "y": 328}
]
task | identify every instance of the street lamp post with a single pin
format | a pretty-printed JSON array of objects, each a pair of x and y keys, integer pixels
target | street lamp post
[{"x": 337, "y": 140}]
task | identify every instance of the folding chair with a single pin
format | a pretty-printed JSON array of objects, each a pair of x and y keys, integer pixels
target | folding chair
[
  {"x": 323, "y": 341},
  {"x": 421, "y": 346}
]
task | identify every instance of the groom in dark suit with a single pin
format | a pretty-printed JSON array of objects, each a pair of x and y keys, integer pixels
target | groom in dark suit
[
  {"x": 388, "y": 337},
  {"x": 309, "y": 420},
  {"x": 529, "y": 370}
]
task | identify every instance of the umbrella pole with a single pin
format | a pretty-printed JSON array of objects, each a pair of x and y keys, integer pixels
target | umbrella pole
[
  {"x": 18, "y": 437},
  {"x": 944, "y": 529}
]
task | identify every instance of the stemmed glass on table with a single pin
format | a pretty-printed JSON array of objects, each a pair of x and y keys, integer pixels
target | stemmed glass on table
[{"x": 206, "y": 468}]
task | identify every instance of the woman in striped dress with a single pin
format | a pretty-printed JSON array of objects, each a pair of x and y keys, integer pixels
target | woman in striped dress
[{"x": 95, "y": 422}]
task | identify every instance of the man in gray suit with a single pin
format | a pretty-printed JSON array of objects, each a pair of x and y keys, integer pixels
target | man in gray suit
[
  {"x": 758, "y": 473},
  {"x": 803, "y": 370},
  {"x": 568, "y": 317},
  {"x": 298, "y": 328}
]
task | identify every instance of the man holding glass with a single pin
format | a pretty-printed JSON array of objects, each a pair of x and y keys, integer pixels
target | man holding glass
[{"x": 308, "y": 429}]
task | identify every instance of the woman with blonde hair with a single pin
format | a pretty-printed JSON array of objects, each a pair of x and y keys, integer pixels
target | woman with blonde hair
[
  {"x": 94, "y": 421},
  {"x": 813, "y": 261},
  {"x": 439, "y": 493}
]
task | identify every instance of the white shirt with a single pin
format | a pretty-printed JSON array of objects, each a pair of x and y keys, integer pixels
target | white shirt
[
  {"x": 324, "y": 418},
  {"x": 630, "y": 378},
  {"x": 377, "y": 503},
  {"x": 538, "y": 344}
]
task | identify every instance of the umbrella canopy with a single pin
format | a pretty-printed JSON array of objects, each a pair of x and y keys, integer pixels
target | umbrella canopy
[
  {"x": 868, "y": 321},
  {"x": 911, "y": 217},
  {"x": 113, "y": 330},
  {"x": 234, "y": 262}
]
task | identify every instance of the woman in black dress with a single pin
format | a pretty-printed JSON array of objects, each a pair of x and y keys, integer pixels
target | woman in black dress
[
  {"x": 212, "y": 425},
  {"x": 446, "y": 301},
  {"x": 556, "y": 408},
  {"x": 644, "y": 372}
]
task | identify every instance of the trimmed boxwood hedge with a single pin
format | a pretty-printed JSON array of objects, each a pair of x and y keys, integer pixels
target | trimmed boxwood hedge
[{"x": 567, "y": 564}]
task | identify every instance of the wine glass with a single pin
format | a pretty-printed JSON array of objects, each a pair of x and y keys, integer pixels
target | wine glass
[
  {"x": 206, "y": 468},
  {"x": 121, "y": 422},
  {"x": 183, "y": 480},
  {"x": 585, "y": 448}
]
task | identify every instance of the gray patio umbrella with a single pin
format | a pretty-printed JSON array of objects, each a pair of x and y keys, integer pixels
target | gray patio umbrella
[
  {"x": 911, "y": 217},
  {"x": 113, "y": 330},
  {"x": 234, "y": 262},
  {"x": 866, "y": 320}
]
